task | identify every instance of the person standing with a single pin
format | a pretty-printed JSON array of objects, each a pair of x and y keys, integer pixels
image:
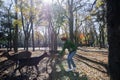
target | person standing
[{"x": 68, "y": 44}]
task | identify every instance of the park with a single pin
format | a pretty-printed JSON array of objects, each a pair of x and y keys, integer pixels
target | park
[{"x": 59, "y": 40}]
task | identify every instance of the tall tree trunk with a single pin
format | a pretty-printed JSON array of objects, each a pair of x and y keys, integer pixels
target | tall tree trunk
[
  {"x": 16, "y": 32},
  {"x": 9, "y": 24},
  {"x": 70, "y": 10},
  {"x": 55, "y": 41},
  {"x": 31, "y": 20},
  {"x": 113, "y": 20},
  {"x": 26, "y": 43},
  {"x": 26, "y": 26},
  {"x": 102, "y": 36},
  {"x": 76, "y": 34},
  {"x": 33, "y": 44},
  {"x": 96, "y": 36}
]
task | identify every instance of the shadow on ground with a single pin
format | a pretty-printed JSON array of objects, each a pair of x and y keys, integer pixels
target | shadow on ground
[
  {"x": 4, "y": 66},
  {"x": 10, "y": 77},
  {"x": 64, "y": 75},
  {"x": 7, "y": 68},
  {"x": 85, "y": 50},
  {"x": 53, "y": 75},
  {"x": 84, "y": 59}
]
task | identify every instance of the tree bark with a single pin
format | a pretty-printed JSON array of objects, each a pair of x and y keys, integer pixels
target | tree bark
[
  {"x": 31, "y": 20},
  {"x": 113, "y": 20},
  {"x": 16, "y": 32},
  {"x": 70, "y": 10}
]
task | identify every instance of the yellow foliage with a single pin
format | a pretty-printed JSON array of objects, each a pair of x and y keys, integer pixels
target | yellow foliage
[
  {"x": 99, "y": 3},
  {"x": 17, "y": 9},
  {"x": 17, "y": 22},
  {"x": 88, "y": 17}
]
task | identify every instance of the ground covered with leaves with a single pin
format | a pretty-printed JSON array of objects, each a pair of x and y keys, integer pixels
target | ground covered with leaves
[
  {"x": 93, "y": 62},
  {"x": 91, "y": 65}
]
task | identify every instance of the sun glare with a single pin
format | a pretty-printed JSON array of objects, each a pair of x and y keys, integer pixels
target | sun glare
[{"x": 47, "y": 1}]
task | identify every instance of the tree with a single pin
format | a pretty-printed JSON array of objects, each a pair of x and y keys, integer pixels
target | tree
[
  {"x": 113, "y": 20},
  {"x": 6, "y": 18},
  {"x": 55, "y": 18},
  {"x": 38, "y": 38},
  {"x": 10, "y": 26},
  {"x": 27, "y": 21},
  {"x": 74, "y": 8},
  {"x": 99, "y": 13},
  {"x": 31, "y": 20},
  {"x": 16, "y": 30},
  {"x": 70, "y": 12}
]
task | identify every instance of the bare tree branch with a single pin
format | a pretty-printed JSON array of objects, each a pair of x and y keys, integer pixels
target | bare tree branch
[{"x": 93, "y": 5}]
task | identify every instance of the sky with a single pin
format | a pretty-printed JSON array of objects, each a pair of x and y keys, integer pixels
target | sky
[{"x": 6, "y": 2}]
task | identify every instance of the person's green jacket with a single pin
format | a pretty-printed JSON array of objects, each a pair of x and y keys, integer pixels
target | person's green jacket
[{"x": 68, "y": 45}]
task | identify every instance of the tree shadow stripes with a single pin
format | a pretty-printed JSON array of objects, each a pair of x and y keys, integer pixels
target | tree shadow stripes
[{"x": 84, "y": 59}]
